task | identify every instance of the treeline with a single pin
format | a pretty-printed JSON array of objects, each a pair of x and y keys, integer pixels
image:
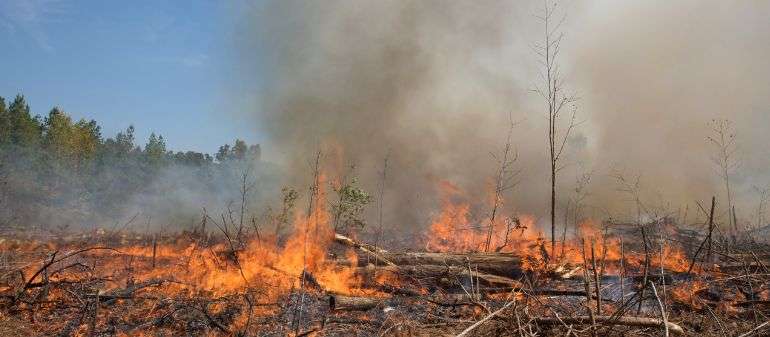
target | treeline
[{"x": 57, "y": 170}]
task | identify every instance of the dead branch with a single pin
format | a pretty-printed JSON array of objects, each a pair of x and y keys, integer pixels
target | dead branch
[{"x": 609, "y": 320}]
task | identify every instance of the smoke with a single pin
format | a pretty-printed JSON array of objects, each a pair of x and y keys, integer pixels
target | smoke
[
  {"x": 125, "y": 192},
  {"x": 179, "y": 195},
  {"x": 433, "y": 85},
  {"x": 655, "y": 73}
]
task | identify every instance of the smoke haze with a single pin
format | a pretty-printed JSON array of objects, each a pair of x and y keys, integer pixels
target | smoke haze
[{"x": 432, "y": 83}]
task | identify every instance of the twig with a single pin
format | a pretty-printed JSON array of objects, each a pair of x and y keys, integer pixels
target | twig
[
  {"x": 609, "y": 320},
  {"x": 587, "y": 285},
  {"x": 759, "y": 327},
  {"x": 597, "y": 284},
  {"x": 707, "y": 239},
  {"x": 662, "y": 310},
  {"x": 488, "y": 317}
]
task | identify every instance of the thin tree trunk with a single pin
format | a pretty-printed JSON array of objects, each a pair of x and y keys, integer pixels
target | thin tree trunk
[
  {"x": 711, "y": 230},
  {"x": 553, "y": 207},
  {"x": 597, "y": 284}
]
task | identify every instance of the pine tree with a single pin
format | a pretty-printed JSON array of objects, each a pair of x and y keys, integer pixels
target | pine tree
[
  {"x": 87, "y": 138},
  {"x": 5, "y": 124},
  {"x": 118, "y": 148},
  {"x": 239, "y": 149},
  {"x": 25, "y": 130},
  {"x": 155, "y": 150},
  {"x": 58, "y": 136},
  {"x": 224, "y": 153}
]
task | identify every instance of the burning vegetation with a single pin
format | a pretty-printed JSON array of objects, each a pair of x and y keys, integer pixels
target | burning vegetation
[
  {"x": 431, "y": 236},
  {"x": 651, "y": 278}
]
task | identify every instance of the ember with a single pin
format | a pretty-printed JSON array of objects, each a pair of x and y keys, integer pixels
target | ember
[
  {"x": 430, "y": 168},
  {"x": 320, "y": 281}
]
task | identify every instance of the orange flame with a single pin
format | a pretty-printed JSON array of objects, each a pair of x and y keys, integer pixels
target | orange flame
[{"x": 454, "y": 230}]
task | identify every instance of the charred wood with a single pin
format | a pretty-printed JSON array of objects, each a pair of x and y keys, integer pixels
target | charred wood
[
  {"x": 351, "y": 303},
  {"x": 501, "y": 264}
]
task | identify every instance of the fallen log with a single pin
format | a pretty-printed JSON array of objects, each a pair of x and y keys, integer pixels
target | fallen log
[
  {"x": 374, "y": 252},
  {"x": 447, "y": 275},
  {"x": 610, "y": 320},
  {"x": 353, "y": 303},
  {"x": 561, "y": 292},
  {"x": 500, "y": 264}
]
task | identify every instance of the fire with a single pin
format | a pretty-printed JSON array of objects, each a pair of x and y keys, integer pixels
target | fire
[
  {"x": 305, "y": 250},
  {"x": 686, "y": 293},
  {"x": 450, "y": 230},
  {"x": 220, "y": 270},
  {"x": 269, "y": 270},
  {"x": 453, "y": 229}
]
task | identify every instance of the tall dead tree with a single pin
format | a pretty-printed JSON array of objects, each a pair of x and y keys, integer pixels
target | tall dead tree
[
  {"x": 726, "y": 158},
  {"x": 552, "y": 91}
]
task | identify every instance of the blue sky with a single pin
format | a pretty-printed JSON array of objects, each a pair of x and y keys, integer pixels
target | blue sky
[{"x": 162, "y": 66}]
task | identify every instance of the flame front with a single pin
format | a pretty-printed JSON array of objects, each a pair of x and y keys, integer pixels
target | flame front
[{"x": 454, "y": 230}]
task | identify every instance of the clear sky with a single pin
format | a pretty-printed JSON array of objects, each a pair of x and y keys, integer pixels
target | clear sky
[{"x": 159, "y": 65}]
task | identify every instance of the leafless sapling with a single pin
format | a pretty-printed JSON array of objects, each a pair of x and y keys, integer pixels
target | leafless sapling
[
  {"x": 553, "y": 92},
  {"x": 575, "y": 205},
  {"x": 505, "y": 179},
  {"x": 763, "y": 194},
  {"x": 726, "y": 158},
  {"x": 381, "y": 198}
]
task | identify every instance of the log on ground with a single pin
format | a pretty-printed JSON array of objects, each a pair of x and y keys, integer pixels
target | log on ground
[{"x": 353, "y": 303}]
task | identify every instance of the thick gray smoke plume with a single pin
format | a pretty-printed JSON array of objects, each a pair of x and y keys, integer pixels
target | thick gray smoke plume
[{"x": 433, "y": 83}]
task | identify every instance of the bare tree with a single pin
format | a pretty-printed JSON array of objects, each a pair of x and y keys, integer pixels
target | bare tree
[
  {"x": 726, "y": 158},
  {"x": 764, "y": 196},
  {"x": 575, "y": 205},
  {"x": 505, "y": 179},
  {"x": 313, "y": 203},
  {"x": 554, "y": 94},
  {"x": 380, "y": 197},
  {"x": 246, "y": 187},
  {"x": 632, "y": 187}
]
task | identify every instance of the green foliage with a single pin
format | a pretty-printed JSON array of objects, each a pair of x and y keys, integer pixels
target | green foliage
[
  {"x": 5, "y": 124},
  {"x": 288, "y": 202},
  {"x": 192, "y": 158},
  {"x": 350, "y": 205},
  {"x": 87, "y": 139},
  {"x": 25, "y": 129},
  {"x": 59, "y": 135},
  {"x": 155, "y": 150},
  {"x": 239, "y": 151},
  {"x": 61, "y": 165}
]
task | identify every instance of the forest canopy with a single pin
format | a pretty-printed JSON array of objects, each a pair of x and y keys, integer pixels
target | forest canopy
[{"x": 61, "y": 172}]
